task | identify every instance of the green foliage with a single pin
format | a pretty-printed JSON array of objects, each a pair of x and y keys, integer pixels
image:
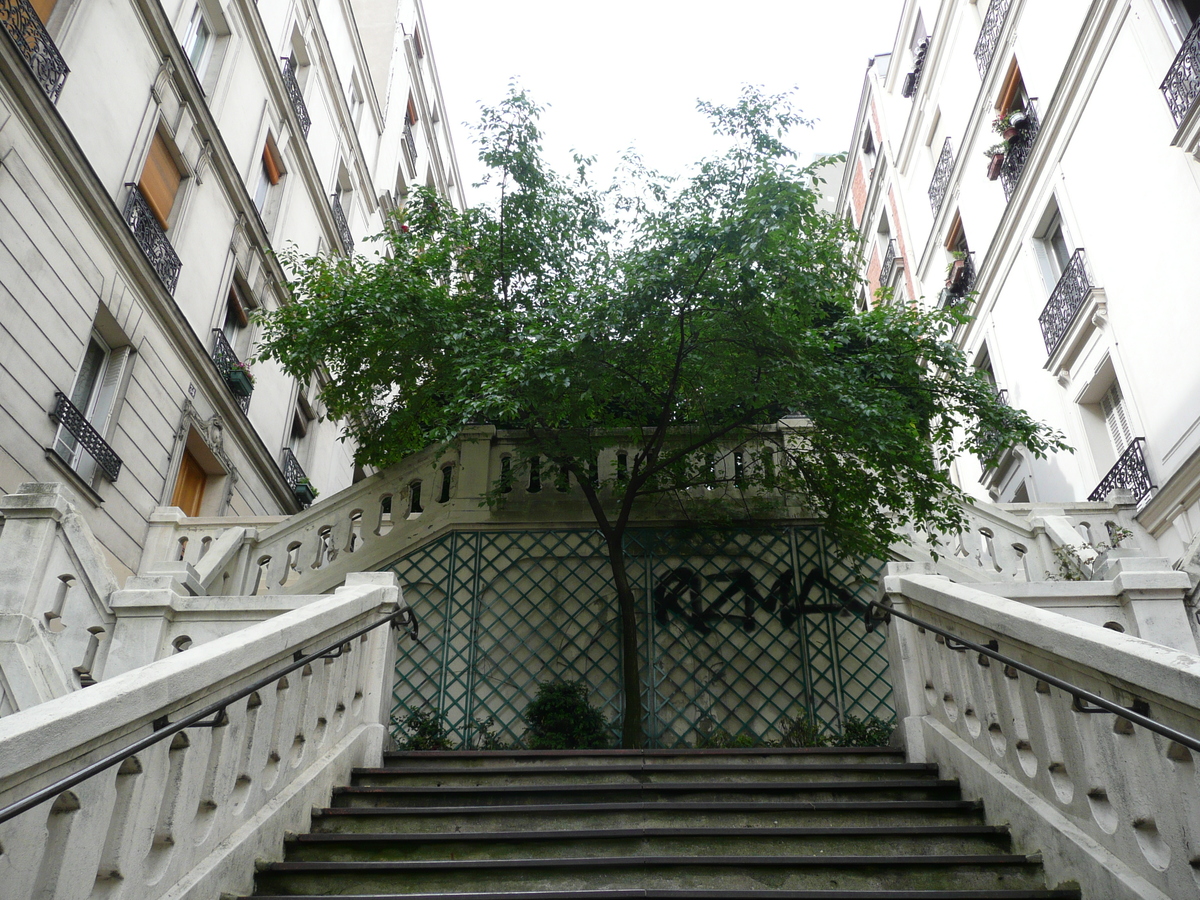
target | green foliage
[
  {"x": 720, "y": 739},
  {"x": 870, "y": 733},
  {"x": 426, "y": 730},
  {"x": 485, "y": 738},
  {"x": 560, "y": 718},
  {"x": 803, "y": 731},
  {"x": 1070, "y": 562}
]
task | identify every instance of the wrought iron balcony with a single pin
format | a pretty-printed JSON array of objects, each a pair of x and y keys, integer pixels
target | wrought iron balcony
[
  {"x": 69, "y": 416},
  {"x": 989, "y": 34},
  {"x": 1065, "y": 301},
  {"x": 232, "y": 370},
  {"x": 889, "y": 265},
  {"x": 35, "y": 45},
  {"x": 293, "y": 474},
  {"x": 913, "y": 79},
  {"x": 1129, "y": 474},
  {"x": 293, "y": 91},
  {"x": 961, "y": 281},
  {"x": 343, "y": 229},
  {"x": 1182, "y": 84},
  {"x": 151, "y": 238},
  {"x": 992, "y": 436},
  {"x": 941, "y": 177},
  {"x": 1019, "y": 148},
  {"x": 409, "y": 141}
]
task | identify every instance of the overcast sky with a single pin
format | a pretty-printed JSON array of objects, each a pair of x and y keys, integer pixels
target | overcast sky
[{"x": 628, "y": 72}]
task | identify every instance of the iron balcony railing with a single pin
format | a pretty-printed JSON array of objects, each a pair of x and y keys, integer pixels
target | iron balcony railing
[
  {"x": 409, "y": 141},
  {"x": 35, "y": 45},
  {"x": 1128, "y": 474},
  {"x": 232, "y": 370},
  {"x": 889, "y": 265},
  {"x": 343, "y": 228},
  {"x": 212, "y": 716},
  {"x": 1182, "y": 84},
  {"x": 941, "y": 177},
  {"x": 961, "y": 282},
  {"x": 70, "y": 417},
  {"x": 292, "y": 86},
  {"x": 913, "y": 79},
  {"x": 293, "y": 474},
  {"x": 151, "y": 238},
  {"x": 1019, "y": 148},
  {"x": 989, "y": 34},
  {"x": 1065, "y": 302},
  {"x": 992, "y": 436}
]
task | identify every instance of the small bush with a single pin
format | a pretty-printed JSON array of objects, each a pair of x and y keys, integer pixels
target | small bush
[
  {"x": 803, "y": 732},
  {"x": 485, "y": 738},
  {"x": 560, "y": 718},
  {"x": 720, "y": 739},
  {"x": 426, "y": 730},
  {"x": 872, "y": 732}
]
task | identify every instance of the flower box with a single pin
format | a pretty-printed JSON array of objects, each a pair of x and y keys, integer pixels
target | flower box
[
  {"x": 239, "y": 382},
  {"x": 997, "y": 163},
  {"x": 304, "y": 493}
]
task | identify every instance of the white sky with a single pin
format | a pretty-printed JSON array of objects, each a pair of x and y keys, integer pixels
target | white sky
[{"x": 628, "y": 72}]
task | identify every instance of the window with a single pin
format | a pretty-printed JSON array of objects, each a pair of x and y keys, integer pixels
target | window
[
  {"x": 918, "y": 45},
  {"x": 417, "y": 45},
  {"x": 1185, "y": 13},
  {"x": 1013, "y": 97},
  {"x": 354, "y": 99},
  {"x": 1116, "y": 418},
  {"x": 1053, "y": 248},
  {"x": 44, "y": 9},
  {"x": 236, "y": 319},
  {"x": 160, "y": 179},
  {"x": 269, "y": 173},
  {"x": 94, "y": 395},
  {"x": 198, "y": 42}
]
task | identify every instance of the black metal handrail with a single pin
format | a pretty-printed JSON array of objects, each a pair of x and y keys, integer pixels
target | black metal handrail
[
  {"x": 35, "y": 45},
  {"x": 226, "y": 360},
  {"x": 1020, "y": 146},
  {"x": 151, "y": 238},
  {"x": 992, "y": 651},
  {"x": 1065, "y": 301},
  {"x": 343, "y": 227},
  {"x": 889, "y": 265},
  {"x": 70, "y": 417},
  {"x": 292, "y": 86},
  {"x": 941, "y": 177},
  {"x": 1129, "y": 473},
  {"x": 164, "y": 729},
  {"x": 989, "y": 34},
  {"x": 1182, "y": 84}
]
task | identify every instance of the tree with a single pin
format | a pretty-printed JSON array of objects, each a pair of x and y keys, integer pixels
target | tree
[{"x": 672, "y": 318}]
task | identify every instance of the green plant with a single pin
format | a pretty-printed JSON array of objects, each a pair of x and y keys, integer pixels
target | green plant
[
  {"x": 871, "y": 732},
  {"x": 1069, "y": 559},
  {"x": 998, "y": 149},
  {"x": 426, "y": 730},
  {"x": 720, "y": 739},
  {"x": 485, "y": 738},
  {"x": 803, "y": 731},
  {"x": 560, "y": 718}
]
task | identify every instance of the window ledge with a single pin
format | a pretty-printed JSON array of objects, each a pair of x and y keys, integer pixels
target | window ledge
[
  {"x": 1092, "y": 314},
  {"x": 78, "y": 483}
]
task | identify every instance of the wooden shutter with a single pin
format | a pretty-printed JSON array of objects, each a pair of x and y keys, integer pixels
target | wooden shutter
[
  {"x": 44, "y": 8},
  {"x": 160, "y": 180},
  {"x": 1112, "y": 404},
  {"x": 270, "y": 165},
  {"x": 189, "y": 485}
]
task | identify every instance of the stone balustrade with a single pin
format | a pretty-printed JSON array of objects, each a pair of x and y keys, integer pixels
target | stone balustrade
[
  {"x": 190, "y": 815},
  {"x": 1109, "y": 805}
]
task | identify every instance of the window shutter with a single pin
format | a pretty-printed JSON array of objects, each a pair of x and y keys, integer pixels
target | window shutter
[
  {"x": 160, "y": 180},
  {"x": 43, "y": 8},
  {"x": 270, "y": 165},
  {"x": 1112, "y": 404}
]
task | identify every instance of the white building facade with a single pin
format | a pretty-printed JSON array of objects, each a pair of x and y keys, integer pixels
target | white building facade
[
  {"x": 1069, "y": 240},
  {"x": 155, "y": 156}
]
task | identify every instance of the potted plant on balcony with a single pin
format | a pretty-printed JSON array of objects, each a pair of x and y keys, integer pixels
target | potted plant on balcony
[
  {"x": 995, "y": 155},
  {"x": 954, "y": 272},
  {"x": 1008, "y": 124},
  {"x": 239, "y": 379},
  {"x": 304, "y": 490}
]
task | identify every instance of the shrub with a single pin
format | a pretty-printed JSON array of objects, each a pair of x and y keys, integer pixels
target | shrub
[
  {"x": 872, "y": 732},
  {"x": 803, "y": 731},
  {"x": 560, "y": 718},
  {"x": 426, "y": 730},
  {"x": 720, "y": 739},
  {"x": 485, "y": 738}
]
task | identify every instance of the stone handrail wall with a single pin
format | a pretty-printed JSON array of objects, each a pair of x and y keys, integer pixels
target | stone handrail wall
[
  {"x": 1107, "y": 804},
  {"x": 187, "y": 817}
]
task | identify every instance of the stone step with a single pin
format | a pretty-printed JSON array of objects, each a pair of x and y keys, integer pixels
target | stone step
[
  {"x": 763, "y": 792},
  {"x": 545, "y": 817},
  {"x": 719, "y": 873},
  {"x": 675, "y": 894},
  {"x": 619, "y": 772},
  {"x": 644, "y": 758},
  {"x": 777, "y": 841}
]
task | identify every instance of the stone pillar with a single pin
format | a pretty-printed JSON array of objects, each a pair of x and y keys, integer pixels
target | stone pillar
[
  {"x": 1153, "y": 594},
  {"x": 905, "y": 662}
]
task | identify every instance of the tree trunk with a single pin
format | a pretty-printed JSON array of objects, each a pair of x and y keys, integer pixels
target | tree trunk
[{"x": 632, "y": 736}]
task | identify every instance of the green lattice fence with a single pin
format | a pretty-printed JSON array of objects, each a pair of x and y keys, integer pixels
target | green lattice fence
[{"x": 740, "y": 630}]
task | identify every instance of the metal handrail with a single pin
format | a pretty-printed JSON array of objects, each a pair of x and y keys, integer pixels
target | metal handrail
[
  {"x": 164, "y": 729},
  {"x": 1081, "y": 695}
]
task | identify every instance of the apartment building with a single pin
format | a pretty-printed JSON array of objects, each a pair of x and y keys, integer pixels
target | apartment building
[
  {"x": 154, "y": 156},
  {"x": 1036, "y": 163}
]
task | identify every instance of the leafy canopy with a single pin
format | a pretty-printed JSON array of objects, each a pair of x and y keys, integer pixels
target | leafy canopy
[{"x": 671, "y": 317}]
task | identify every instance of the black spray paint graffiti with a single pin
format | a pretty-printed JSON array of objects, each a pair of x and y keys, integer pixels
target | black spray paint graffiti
[{"x": 669, "y": 598}]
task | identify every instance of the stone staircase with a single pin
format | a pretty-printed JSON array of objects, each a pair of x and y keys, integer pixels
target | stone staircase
[{"x": 770, "y": 824}]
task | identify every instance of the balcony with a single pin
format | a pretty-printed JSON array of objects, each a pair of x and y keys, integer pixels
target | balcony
[
  {"x": 293, "y": 91},
  {"x": 1020, "y": 146},
  {"x": 69, "y": 416},
  {"x": 294, "y": 475},
  {"x": 1129, "y": 474},
  {"x": 941, "y": 177},
  {"x": 233, "y": 370},
  {"x": 343, "y": 228},
  {"x": 989, "y": 34},
  {"x": 992, "y": 436},
  {"x": 35, "y": 45},
  {"x": 961, "y": 280},
  {"x": 889, "y": 265},
  {"x": 151, "y": 238},
  {"x": 409, "y": 141},
  {"x": 913, "y": 79},
  {"x": 1065, "y": 302}
]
